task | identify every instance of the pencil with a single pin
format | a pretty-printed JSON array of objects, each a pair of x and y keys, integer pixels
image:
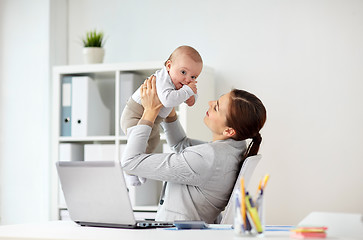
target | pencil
[
  {"x": 265, "y": 180},
  {"x": 243, "y": 204},
  {"x": 259, "y": 186}
]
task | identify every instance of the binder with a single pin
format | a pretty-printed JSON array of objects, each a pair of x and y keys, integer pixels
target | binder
[
  {"x": 83, "y": 112},
  {"x": 89, "y": 115},
  {"x": 66, "y": 95},
  {"x": 129, "y": 83}
]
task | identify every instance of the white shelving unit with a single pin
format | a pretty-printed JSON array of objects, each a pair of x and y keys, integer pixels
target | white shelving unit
[{"x": 107, "y": 77}]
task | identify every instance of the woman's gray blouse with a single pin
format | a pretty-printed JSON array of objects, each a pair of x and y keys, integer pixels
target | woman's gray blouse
[{"x": 200, "y": 176}]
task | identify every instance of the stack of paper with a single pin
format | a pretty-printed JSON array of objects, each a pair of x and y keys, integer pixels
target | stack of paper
[{"x": 308, "y": 232}]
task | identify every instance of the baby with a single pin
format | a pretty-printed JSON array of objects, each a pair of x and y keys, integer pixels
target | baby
[{"x": 175, "y": 84}]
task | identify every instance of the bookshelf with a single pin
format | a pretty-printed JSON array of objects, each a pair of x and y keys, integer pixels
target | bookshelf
[{"x": 108, "y": 81}]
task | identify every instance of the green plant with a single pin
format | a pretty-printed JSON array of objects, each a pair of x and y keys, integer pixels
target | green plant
[{"x": 93, "y": 39}]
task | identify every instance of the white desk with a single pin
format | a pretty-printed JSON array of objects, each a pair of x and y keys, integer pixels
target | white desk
[{"x": 71, "y": 231}]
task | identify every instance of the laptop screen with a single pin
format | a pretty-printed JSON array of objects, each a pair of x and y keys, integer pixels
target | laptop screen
[{"x": 95, "y": 192}]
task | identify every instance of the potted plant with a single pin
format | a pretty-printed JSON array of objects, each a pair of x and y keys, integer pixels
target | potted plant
[{"x": 93, "y": 51}]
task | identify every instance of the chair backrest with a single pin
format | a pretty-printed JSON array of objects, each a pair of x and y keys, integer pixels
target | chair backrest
[{"x": 247, "y": 170}]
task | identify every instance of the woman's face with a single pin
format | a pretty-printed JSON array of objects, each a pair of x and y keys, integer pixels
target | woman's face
[{"x": 216, "y": 116}]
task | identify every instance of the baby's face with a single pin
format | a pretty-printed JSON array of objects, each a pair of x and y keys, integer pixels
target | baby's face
[{"x": 183, "y": 70}]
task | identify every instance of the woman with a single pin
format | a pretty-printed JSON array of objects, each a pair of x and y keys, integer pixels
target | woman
[{"x": 200, "y": 176}]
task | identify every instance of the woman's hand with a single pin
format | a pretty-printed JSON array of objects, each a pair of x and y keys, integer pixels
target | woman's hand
[{"x": 150, "y": 100}]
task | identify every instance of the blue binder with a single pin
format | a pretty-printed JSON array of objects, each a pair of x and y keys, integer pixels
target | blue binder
[{"x": 66, "y": 106}]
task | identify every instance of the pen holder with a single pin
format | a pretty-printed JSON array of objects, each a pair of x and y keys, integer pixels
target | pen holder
[{"x": 249, "y": 217}]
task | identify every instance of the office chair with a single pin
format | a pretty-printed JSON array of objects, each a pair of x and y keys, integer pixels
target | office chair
[{"x": 247, "y": 170}]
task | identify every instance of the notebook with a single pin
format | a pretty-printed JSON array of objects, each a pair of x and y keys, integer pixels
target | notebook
[
  {"x": 342, "y": 225},
  {"x": 96, "y": 195}
]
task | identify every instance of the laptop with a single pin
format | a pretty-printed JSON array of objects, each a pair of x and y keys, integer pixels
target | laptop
[{"x": 96, "y": 195}]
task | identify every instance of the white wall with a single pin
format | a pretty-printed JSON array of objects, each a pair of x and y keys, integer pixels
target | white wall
[
  {"x": 302, "y": 58},
  {"x": 1, "y": 102},
  {"x": 24, "y": 111}
]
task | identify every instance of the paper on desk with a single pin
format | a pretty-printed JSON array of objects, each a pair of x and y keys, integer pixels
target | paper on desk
[
  {"x": 278, "y": 228},
  {"x": 210, "y": 227}
]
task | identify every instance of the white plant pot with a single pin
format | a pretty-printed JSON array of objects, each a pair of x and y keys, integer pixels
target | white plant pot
[{"x": 93, "y": 55}]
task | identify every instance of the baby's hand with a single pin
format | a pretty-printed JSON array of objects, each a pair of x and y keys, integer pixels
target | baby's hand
[
  {"x": 193, "y": 86},
  {"x": 190, "y": 102}
]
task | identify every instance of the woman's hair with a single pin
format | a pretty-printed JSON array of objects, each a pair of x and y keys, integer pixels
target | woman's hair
[
  {"x": 187, "y": 50},
  {"x": 246, "y": 116}
]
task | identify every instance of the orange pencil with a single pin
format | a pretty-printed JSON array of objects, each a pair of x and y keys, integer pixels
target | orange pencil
[{"x": 243, "y": 203}]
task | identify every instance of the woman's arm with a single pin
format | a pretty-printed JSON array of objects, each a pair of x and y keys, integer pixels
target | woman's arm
[{"x": 191, "y": 166}]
